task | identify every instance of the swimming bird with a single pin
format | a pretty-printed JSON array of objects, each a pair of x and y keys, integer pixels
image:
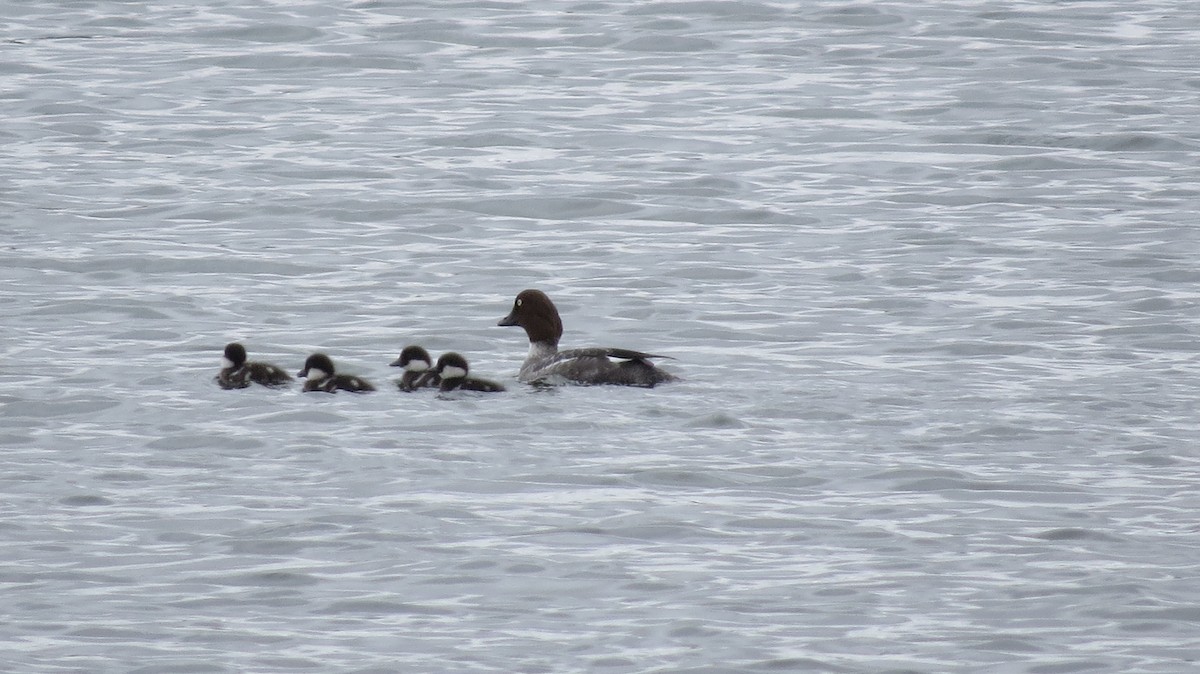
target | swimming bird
[
  {"x": 454, "y": 372},
  {"x": 416, "y": 361},
  {"x": 237, "y": 372},
  {"x": 545, "y": 364},
  {"x": 322, "y": 377}
]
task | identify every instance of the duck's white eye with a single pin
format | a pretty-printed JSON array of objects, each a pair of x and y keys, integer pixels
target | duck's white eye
[{"x": 518, "y": 301}]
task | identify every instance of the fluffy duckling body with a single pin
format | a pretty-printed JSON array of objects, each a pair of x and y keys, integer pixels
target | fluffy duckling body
[
  {"x": 237, "y": 372},
  {"x": 321, "y": 376},
  {"x": 416, "y": 363},
  {"x": 454, "y": 372}
]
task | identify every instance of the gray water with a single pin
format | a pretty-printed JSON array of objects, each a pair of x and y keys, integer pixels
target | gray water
[{"x": 928, "y": 271}]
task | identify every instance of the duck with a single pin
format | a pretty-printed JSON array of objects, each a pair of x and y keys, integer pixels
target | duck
[
  {"x": 318, "y": 369},
  {"x": 546, "y": 365},
  {"x": 416, "y": 362},
  {"x": 452, "y": 370},
  {"x": 237, "y": 372}
]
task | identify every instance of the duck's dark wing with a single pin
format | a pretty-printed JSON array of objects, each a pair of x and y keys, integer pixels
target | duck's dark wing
[
  {"x": 604, "y": 352},
  {"x": 411, "y": 381},
  {"x": 347, "y": 382},
  {"x": 268, "y": 375},
  {"x": 482, "y": 385},
  {"x": 232, "y": 378},
  {"x": 597, "y": 366}
]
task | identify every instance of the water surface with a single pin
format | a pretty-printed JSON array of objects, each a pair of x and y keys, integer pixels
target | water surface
[{"x": 927, "y": 272}]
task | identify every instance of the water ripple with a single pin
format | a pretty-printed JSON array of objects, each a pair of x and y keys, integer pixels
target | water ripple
[{"x": 924, "y": 269}]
